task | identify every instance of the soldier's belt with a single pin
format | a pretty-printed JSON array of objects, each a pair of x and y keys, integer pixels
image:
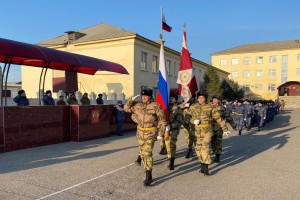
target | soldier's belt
[
  {"x": 234, "y": 112},
  {"x": 239, "y": 114},
  {"x": 146, "y": 129},
  {"x": 203, "y": 125}
]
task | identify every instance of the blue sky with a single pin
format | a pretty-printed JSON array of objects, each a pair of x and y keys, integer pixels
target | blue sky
[{"x": 212, "y": 25}]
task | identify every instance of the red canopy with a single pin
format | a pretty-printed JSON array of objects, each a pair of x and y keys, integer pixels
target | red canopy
[{"x": 33, "y": 55}]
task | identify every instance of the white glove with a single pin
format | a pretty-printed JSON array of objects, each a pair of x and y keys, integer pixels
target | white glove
[
  {"x": 159, "y": 137},
  {"x": 264, "y": 118},
  {"x": 135, "y": 97},
  {"x": 197, "y": 121},
  {"x": 226, "y": 133},
  {"x": 187, "y": 105},
  {"x": 245, "y": 119},
  {"x": 168, "y": 128}
]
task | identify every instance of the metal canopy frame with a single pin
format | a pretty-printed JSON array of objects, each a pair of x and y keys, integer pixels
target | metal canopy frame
[{"x": 13, "y": 52}]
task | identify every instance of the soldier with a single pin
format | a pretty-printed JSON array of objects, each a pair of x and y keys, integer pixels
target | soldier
[
  {"x": 203, "y": 115},
  {"x": 151, "y": 125},
  {"x": 216, "y": 140},
  {"x": 188, "y": 128},
  {"x": 176, "y": 120},
  {"x": 249, "y": 114},
  {"x": 239, "y": 111},
  {"x": 261, "y": 114}
]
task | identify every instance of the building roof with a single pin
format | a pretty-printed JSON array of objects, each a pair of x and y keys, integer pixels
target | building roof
[
  {"x": 258, "y": 47},
  {"x": 98, "y": 32}
]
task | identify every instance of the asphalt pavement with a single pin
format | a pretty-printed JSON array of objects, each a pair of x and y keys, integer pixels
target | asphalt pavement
[{"x": 256, "y": 165}]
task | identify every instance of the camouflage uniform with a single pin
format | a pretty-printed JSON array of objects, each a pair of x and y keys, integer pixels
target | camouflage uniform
[
  {"x": 206, "y": 113},
  {"x": 188, "y": 129},
  {"x": 151, "y": 122},
  {"x": 216, "y": 140},
  {"x": 176, "y": 120}
]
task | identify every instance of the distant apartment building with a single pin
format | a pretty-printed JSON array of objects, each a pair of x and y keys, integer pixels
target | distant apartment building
[
  {"x": 262, "y": 67},
  {"x": 139, "y": 55}
]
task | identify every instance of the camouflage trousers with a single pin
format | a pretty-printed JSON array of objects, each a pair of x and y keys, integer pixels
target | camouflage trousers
[
  {"x": 203, "y": 141},
  {"x": 216, "y": 142},
  {"x": 145, "y": 150},
  {"x": 171, "y": 143},
  {"x": 190, "y": 139}
]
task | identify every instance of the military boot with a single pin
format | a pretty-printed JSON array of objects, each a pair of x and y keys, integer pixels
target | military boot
[
  {"x": 202, "y": 168},
  {"x": 249, "y": 128},
  {"x": 162, "y": 151},
  {"x": 138, "y": 160},
  {"x": 171, "y": 165},
  {"x": 217, "y": 158},
  {"x": 206, "y": 173},
  {"x": 148, "y": 180},
  {"x": 188, "y": 153},
  {"x": 259, "y": 128},
  {"x": 240, "y": 132}
]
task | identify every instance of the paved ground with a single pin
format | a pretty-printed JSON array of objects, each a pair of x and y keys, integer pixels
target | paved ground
[{"x": 264, "y": 165}]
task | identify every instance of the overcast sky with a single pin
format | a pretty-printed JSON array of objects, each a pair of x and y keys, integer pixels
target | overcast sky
[{"x": 212, "y": 25}]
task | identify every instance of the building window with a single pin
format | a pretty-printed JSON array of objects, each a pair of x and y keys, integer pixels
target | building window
[
  {"x": 258, "y": 86},
  {"x": 246, "y": 88},
  {"x": 168, "y": 66},
  {"x": 200, "y": 74},
  {"x": 273, "y": 59},
  {"x": 298, "y": 71},
  {"x": 272, "y": 87},
  {"x": 144, "y": 61},
  {"x": 234, "y": 74},
  {"x": 259, "y": 73},
  {"x": 154, "y": 64},
  {"x": 223, "y": 62},
  {"x": 298, "y": 57},
  {"x": 272, "y": 72},
  {"x": 246, "y": 74},
  {"x": 284, "y": 68},
  {"x": 259, "y": 59},
  {"x": 247, "y": 61},
  {"x": 175, "y": 69},
  {"x": 234, "y": 61}
]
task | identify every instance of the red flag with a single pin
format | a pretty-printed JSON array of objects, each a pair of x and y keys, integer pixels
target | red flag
[
  {"x": 164, "y": 24},
  {"x": 187, "y": 84}
]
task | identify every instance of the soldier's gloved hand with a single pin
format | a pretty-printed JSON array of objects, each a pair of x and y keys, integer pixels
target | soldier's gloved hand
[
  {"x": 245, "y": 119},
  {"x": 159, "y": 137},
  {"x": 135, "y": 97},
  {"x": 197, "y": 121},
  {"x": 187, "y": 105},
  {"x": 226, "y": 133},
  {"x": 264, "y": 117},
  {"x": 168, "y": 128}
]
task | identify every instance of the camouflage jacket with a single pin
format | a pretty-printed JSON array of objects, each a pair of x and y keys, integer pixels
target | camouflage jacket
[
  {"x": 206, "y": 113},
  {"x": 85, "y": 101},
  {"x": 225, "y": 116},
  {"x": 176, "y": 116},
  {"x": 147, "y": 115}
]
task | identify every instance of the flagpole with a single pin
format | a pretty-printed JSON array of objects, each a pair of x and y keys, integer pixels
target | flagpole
[{"x": 161, "y": 30}]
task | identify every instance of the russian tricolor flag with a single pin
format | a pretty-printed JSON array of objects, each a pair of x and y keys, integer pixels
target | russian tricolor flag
[
  {"x": 164, "y": 24},
  {"x": 163, "y": 84}
]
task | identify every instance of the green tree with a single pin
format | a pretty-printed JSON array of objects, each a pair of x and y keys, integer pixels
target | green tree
[
  {"x": 211, "y": 84},
  {"x": 231, "y": 90}
]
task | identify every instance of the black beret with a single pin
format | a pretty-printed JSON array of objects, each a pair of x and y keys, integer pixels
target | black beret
[
  {"x": 202, "y": 94},
  {"x": 48, "y": 91},
  {"x": 21, "y": 91},
  {"x": 215, "y": 97}
]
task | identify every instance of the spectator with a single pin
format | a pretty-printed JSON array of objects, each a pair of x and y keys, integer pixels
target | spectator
[
  {"x": 47, "y": 99},
  {"x": 61, "y": 101},
  {"x": 21, "y": 99},
  {"x": 282, "y": 104},
  {"x": 72, "y": 100},
  {"x": 85, "y": 101},
  {"x": 99, "y": 100},
  {"x": 120, "y": 115}
]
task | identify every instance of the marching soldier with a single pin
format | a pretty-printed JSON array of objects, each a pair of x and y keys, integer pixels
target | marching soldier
[
  {"x": 203, "y": 115},
  {"x": 216, "y": 140},
  {"x": 176, "y": 120},
  {"x": 249, "y": 114},
  {"x": 239, "y": 111},
  {"x": 188, "y": 128},
  {"x": 261, "y": 114},
  {"x": 151, "y": 125}
]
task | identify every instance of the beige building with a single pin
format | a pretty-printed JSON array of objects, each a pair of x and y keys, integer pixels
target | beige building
[
  {"x": 139, "y": 55},
  {"x": 260, "y": 68}
]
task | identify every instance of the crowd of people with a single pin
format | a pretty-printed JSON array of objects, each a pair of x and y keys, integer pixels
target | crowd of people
[{"x": 204, "y": 125}]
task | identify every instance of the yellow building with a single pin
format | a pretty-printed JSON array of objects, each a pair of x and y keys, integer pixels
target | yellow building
[
  {"x": 260, "y": 68},
  {"x": 139, "y": 55}
]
